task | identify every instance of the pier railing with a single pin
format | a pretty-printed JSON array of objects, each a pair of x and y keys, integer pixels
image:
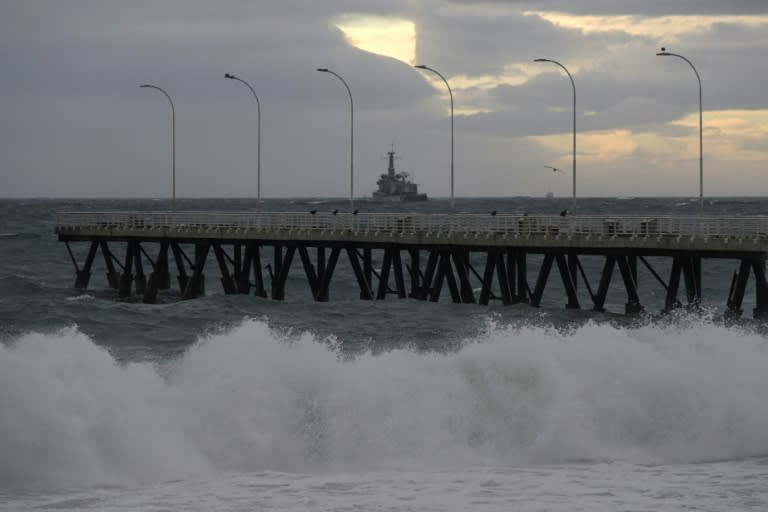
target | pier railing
[{"x": 752, "y": 228}]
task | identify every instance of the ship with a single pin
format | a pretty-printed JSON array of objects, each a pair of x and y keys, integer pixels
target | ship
[{"x": 396, "y": 186}]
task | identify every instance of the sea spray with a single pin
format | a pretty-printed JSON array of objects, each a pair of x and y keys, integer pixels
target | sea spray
[{"x": 250, "y": 400}]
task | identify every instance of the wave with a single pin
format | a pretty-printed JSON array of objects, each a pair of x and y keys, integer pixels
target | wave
[{"x": 252, "y": 400}]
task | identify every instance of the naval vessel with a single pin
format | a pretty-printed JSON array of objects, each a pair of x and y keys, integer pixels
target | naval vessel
[{"x": 396, "y": 186}]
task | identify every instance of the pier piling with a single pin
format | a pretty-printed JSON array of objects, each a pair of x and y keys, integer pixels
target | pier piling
[{"x": 462, "y": 253}]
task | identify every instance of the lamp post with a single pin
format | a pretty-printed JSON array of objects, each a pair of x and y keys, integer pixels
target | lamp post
[
  {"x": 351, "y": 139},
  {"x": 258, "y": 136},
  {"x": 450, "y": 93},
  {"x": 173, "y": 143},
  {"x": 574, "y": 121},
  {"x": 665, "y": 53}
]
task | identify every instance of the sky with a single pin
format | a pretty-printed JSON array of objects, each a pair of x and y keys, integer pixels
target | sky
[{"x": 75, "y": 123}]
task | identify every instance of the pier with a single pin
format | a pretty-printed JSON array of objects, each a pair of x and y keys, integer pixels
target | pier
[{"x": 471, "y": 258}]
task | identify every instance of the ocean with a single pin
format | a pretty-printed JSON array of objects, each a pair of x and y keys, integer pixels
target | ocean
[{"x": 241, "y": 403}]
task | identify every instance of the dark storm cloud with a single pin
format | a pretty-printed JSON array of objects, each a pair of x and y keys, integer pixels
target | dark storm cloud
[{"x": 74, "y": 122}]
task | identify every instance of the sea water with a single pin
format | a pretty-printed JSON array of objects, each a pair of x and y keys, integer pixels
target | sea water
[{"x": 243, "y": 403}]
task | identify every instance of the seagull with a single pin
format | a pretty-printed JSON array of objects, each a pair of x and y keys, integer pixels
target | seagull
[
  {"x": 335, "y": 212},
  {"x": 355, "y": 212},
  {"x": 564, "y": 213},
  {"x": 493, "y": 213},
  {"x": 313, "y": 212}
]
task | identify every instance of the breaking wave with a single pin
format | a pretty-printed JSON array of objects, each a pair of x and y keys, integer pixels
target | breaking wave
[{"x": 250, "y": 399}]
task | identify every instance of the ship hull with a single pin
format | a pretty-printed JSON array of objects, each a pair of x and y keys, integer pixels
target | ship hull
[{"x": 399, "y": 197}]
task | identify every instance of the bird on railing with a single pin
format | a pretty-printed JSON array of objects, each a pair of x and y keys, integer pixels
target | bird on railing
[
  {"x": 313, "y": 212},
  {"x": 335, "y": 212},
  {"x": 355, "y": 211},
  {"x": 493, "y": 213},
  {"x": 564, "y": 213}
]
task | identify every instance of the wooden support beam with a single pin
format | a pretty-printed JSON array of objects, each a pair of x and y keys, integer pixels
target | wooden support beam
[
  {"x": 503, "y": 279},
  {"x": 444, "y": 272},
  {"x": 491, "y": 261},
  {"x": 632, "y": 263},
  {"x": 461, "y": 262},
  {"x": 83, "y": 275},
  {"x": 671, "y": 302},
  {"x": 397, "y": 266},
  {"x": 126, "y": 278},
  {"x": 159, "y": 278},
  {"x": 573, "y": 267},
  {"x": 584, "y": 278},
  {"x": 254, "y": 251},
  {"x": 736, "y": 296},
  {"x": 237, "y": 266},
  {"x": 605, "y": 283},
  {"x": 633, "y": 305},
  {"x": 417, "y": 288},
  {"x": 510, "y": 271},
  {"x": 384, "y": 275},
  {"x": 450, "y": 278},
  {"x": 362, "y": 282},
  {"x": 325, "y": 279},
  {"x": 429, "y": 274},
  {"x": 243, "y": 271},
  {"x": 280, "y": 277},
  {"x": 653, "y": 272},
  {"x": 139, "y": 279},
  {"x": 227, "y": 282},
  {"x": 523, "y": 290},
  {"x": 761, "y": 289},
  {"x": 309, "y": 270},
  {"x": 161, "y": 267},
  {"x": 320, "y": 260},
  {"x": 179, "y": 257},
  {"x": 565, "y": 267},
  {"x": 692, "y": 279},
  {"x": 113, "y": 277},
  {"x": 541, "y": 281},
  {"x": 368, "y": 264},
  {"x": 196, "y": 283}
]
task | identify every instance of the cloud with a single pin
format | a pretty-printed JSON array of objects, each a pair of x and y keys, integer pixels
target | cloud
[{"x": 74, "y": 122}]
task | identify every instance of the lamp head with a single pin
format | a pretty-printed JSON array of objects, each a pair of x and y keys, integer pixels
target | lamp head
[
  {"x": 323, "y": 70},
  {"x": 421, "y": 66},
  {"x": 145, "y": 85},
  {"x": 540, "y": 60},
  {"x": 229, "y": 75}
]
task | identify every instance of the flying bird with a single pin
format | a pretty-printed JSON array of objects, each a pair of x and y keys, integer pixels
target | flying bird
[{"x": 554, "y": 169}]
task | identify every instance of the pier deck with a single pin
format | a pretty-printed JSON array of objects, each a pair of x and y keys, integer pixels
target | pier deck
[{"x": 238, "y": 239}]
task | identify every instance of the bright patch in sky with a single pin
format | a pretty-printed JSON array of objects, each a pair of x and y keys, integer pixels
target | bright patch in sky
[
  {"x": 659, "y": 27},
  {"x": 383, "y": 35}
]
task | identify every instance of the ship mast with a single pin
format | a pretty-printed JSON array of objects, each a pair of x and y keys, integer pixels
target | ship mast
[{"x": 391, "y": 169}]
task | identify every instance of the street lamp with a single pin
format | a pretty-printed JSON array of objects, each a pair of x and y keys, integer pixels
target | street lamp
[
  {"x": 351, "y": 139},
  {"x": 258, "y": 137},
  {"x": 574, "y": 121},
  {"x": 450, "y": 93},
  {"x": 665, "y": 53},
  {"x": 173, "y": 143}
]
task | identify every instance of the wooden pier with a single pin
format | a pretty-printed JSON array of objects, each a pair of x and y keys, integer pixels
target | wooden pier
[{"x": 417, "y": 255}]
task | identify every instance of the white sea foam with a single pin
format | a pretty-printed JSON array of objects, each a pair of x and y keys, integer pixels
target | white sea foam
[{"x": 250, "y": 400}]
